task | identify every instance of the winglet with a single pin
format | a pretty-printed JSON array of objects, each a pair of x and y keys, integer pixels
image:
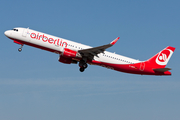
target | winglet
[{"x": 114, "y": 41}]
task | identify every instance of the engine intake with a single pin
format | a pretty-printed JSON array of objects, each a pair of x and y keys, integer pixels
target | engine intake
[{"x": 68, "y": 53}]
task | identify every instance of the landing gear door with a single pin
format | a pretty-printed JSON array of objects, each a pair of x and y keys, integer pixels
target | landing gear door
[{"x": 25, "y": 31}]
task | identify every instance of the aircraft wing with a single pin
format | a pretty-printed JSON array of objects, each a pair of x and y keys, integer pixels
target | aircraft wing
[{"x": 91, "y": 52}]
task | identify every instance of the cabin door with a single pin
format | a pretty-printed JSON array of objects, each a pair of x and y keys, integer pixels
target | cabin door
[{"x": 25, "y": 31}]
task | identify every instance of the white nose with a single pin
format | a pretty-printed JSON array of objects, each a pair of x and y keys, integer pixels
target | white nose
[{"x": 7, "y": 33}]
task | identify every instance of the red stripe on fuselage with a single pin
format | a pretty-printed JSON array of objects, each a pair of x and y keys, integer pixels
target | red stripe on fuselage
[{"x": 130, "y": 68}]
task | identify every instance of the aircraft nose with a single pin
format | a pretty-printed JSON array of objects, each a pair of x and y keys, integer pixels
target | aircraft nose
[{"x": 7, "y": 33}]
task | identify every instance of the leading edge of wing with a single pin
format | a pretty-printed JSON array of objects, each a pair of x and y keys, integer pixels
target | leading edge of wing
[{"x": 96, "y": 50}]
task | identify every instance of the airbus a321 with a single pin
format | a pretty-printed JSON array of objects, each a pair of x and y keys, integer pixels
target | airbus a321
[{"x": 73, "y": 52}]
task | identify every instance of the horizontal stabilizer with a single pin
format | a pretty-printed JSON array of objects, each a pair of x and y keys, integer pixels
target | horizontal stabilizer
[{"x": 162, "y": 69}]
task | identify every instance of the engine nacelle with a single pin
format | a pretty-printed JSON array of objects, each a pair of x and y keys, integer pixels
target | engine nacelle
[
  {"x": 66, "y": 60},
  {"x": 68, "y": 53}
]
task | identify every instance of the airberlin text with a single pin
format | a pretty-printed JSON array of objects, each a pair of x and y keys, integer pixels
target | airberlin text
[{"x": 49, "y": 40}]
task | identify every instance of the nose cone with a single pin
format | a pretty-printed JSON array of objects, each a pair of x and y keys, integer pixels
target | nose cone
[{"x": 7, "y": 33}]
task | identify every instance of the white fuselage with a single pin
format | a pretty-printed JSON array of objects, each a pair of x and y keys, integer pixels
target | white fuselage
[
  {"x": 58, "y": 44},
  {"x": 73, "y": 52}
]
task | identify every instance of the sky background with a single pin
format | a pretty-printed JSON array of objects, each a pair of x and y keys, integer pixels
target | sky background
[{"x": 35, "y": 86}]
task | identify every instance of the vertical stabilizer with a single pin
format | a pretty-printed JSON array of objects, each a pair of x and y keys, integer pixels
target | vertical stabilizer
[{"x": 161, "y": 59}]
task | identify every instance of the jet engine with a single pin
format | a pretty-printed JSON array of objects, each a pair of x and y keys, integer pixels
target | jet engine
[
  {"x": 68, "y": 53},
  {"x": 66, "y": 60}
]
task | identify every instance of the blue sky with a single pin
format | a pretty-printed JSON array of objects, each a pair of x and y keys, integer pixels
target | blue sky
[{"x": 34, "y": 85}]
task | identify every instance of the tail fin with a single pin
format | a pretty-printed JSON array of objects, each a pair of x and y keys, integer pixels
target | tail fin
[{"x": 161, "y": 59}]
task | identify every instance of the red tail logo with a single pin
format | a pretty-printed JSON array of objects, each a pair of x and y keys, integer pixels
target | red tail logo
[{"x": 163, "y": 57}]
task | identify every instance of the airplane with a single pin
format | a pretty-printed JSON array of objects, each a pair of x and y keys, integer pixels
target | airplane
[{"x": 73, "y": 52}]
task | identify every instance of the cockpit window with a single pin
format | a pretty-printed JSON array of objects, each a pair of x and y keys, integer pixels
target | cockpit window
[{"x": 15, "y": 30}]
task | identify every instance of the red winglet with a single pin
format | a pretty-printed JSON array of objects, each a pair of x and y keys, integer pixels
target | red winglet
[{"x": 114, "y": 41}]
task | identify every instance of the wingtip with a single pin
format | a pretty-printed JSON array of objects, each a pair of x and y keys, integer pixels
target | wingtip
[{"x": 114, "y": 41}]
